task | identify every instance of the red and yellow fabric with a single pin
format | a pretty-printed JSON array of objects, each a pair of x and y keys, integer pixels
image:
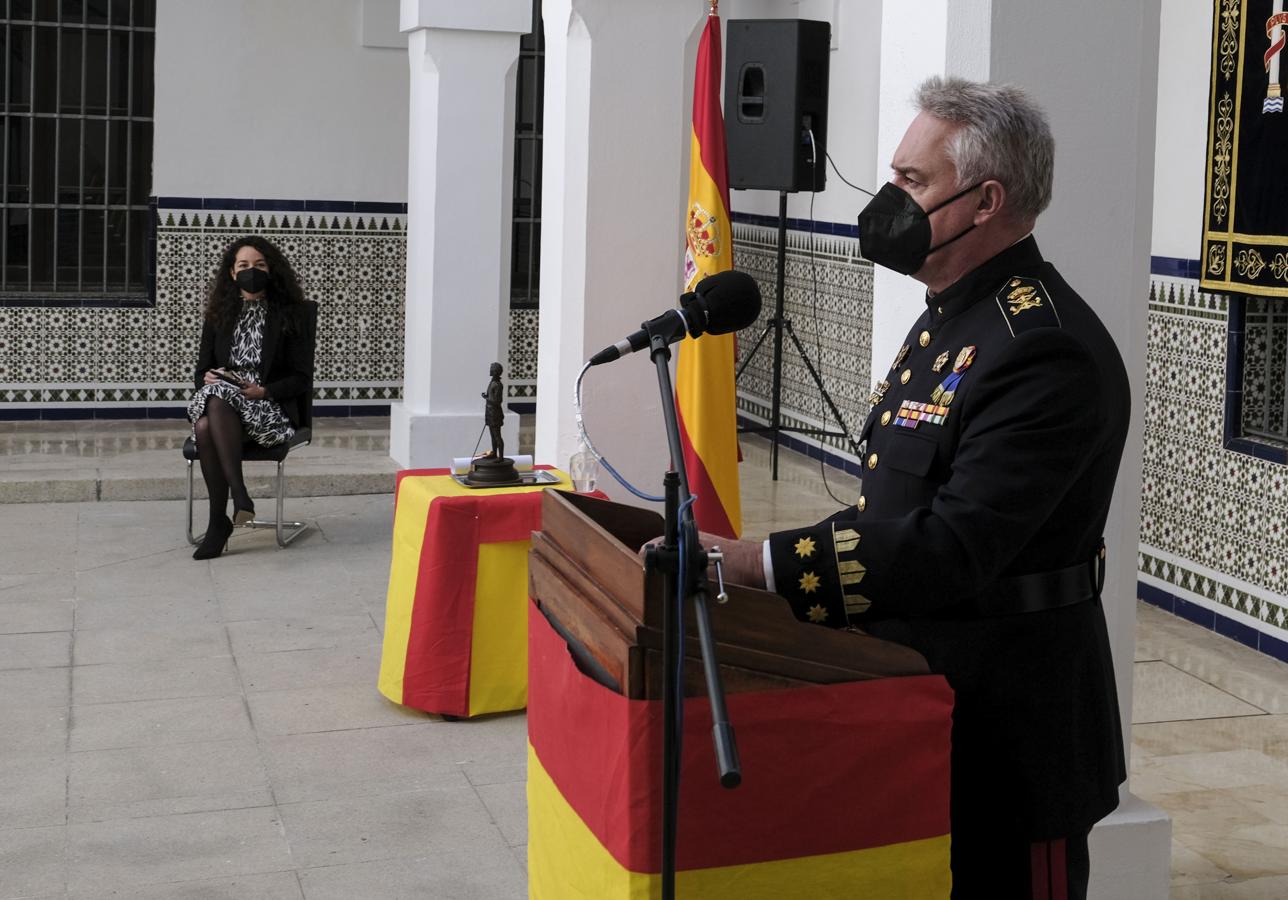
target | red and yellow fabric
[
  {"x": 705, "y": 393},
  {"x": 456, "y": 637},
  {"x": 844, "y": 792}
]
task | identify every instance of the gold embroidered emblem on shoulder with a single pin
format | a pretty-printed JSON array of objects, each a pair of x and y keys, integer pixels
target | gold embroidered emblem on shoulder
[{"x": 1023, "y": 297}]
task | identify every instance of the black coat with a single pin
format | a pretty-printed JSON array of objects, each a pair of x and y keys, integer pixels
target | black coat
[
  {"x": 286, "y": 364},
  {"x": 1015, "y": 479}
]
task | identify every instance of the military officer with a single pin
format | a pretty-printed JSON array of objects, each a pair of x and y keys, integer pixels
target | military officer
[{"x": 991, "y": 450}]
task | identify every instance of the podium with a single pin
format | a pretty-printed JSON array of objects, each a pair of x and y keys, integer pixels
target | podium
[{"x": 844, "y": 738}]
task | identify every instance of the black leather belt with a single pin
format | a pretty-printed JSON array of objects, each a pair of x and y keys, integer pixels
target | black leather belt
[{"x": 1042, "y": 591}]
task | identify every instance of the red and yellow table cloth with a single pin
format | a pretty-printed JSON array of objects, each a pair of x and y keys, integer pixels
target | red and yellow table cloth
[
  {"x": 456, "y": 627},
  {"x": 844, "y": 793}
]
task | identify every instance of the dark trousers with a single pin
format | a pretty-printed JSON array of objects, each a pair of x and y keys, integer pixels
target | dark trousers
[{"x": 998, "y": 867}]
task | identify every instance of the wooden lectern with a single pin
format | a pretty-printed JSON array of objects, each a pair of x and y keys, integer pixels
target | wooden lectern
[
  {"x": 845, "y": 766},
  {"x": 586, "y": 576}
]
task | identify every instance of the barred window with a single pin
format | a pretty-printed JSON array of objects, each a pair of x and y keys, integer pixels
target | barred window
[
  {"x": 77, "y": 147},
  {"x": 1265, "y": 369},
  {"x": 525, "y": 248}
]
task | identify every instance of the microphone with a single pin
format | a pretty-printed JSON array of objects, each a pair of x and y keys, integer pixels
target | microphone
[{"x": 721, "y": 303}]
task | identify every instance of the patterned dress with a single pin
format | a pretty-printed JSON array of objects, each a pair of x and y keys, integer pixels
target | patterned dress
[{"x": 263, "y": 421}]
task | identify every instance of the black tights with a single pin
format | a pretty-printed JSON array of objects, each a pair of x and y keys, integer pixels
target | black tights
[{"x": 219, "y": 442}]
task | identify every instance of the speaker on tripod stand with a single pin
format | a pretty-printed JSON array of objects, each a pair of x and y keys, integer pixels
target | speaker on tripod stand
[{"x": 776, "y": 75}]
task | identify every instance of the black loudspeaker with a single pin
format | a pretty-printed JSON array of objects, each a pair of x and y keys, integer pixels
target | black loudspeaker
[{"x": 775, "y": 94}]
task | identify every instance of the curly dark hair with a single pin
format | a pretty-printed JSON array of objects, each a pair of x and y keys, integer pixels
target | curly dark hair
[{"x": 223, "y": 299}]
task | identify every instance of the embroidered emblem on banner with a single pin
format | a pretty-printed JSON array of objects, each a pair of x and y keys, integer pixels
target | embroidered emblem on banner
[
  {"x": 911, "y": 414},
  {"x": 943, "y": 395}
]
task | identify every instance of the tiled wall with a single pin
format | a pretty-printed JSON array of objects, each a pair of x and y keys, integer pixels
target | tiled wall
[
  {"x": 1214, "y": 521},
  {"x": 136, "y": 359},
  {"x": 827, "y": 296}
]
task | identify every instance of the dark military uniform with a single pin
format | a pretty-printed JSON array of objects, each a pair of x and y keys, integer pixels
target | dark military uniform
[{"x": 992, "y": 448}]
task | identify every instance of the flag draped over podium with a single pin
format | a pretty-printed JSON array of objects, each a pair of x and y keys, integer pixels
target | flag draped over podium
[{"x": 705, "y": 393}]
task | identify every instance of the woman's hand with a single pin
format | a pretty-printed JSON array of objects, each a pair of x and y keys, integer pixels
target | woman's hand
[
  {"x": 210, "y": 377},
  {"x": 254, "y": 392}
]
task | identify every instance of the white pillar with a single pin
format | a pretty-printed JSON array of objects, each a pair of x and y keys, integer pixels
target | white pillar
[
  {"x": 618, "y": 90},
  {"x": 460, "y": 150},
  {"x": 1093, "y": 66}
]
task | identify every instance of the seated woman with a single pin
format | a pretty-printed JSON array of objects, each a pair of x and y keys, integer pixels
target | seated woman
[{"x": 255, "y": 362}]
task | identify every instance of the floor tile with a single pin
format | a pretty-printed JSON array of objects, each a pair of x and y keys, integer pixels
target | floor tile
[
  {"x": 33, "y": 730},
  {"x": 39, "y": 650},
  {"x": 132, "y": 645},
  {"x": 328, "y": 708},
  {"x": 122, "y": 853},
  {"x": 317, "y": 633},
  {"x": 270, "y": 886},
  {"x": 293, "y": 669},
  {"x": 32, "y": 862},
  {"x": 21, "y": 688},
  {"x": 1163, "y": 693},
  {"x": 161, "y": 780},
  {"x": 33, "y": 791},
  {"x": 507, "y": 803},
  {"x": 490, "y": 874},
  {"x": 143, "y": 723},
  {"x": 448, "y": 820},
  {"x": 21, "y": 616},
  {"x": 157, "y": 680}
]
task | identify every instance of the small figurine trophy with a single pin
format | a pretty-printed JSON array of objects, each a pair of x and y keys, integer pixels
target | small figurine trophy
[{"x": 493, "y": 467}]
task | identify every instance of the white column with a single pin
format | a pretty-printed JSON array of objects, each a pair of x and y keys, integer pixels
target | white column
[
  {"x": 460, "y": 148},
  {"x": 618, "y": 90},
  {"x": 1093, "y": 66}
]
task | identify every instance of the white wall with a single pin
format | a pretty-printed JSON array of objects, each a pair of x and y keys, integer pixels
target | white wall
[
  {"x": 1184, "y": 79},
  {"x": 853, "y": 89},
  {"x": 331, "y": 126}
]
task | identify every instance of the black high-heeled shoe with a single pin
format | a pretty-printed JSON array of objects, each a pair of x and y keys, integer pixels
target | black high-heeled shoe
[
  {"x": 243, "y": 517},
  {"x": 216, "y": 540}
]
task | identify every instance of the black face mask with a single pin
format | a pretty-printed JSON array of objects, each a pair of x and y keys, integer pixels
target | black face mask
[
  {"x": 895, "y": 232},
  {"x": 252, "y": 280}
]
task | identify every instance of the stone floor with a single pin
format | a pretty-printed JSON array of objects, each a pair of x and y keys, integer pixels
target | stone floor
[{"x": 175, "y": 729}]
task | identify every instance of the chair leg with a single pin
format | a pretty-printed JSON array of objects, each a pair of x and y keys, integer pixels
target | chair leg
[
  {"x": 286, "y": 531},
  {"x": 191, "y": 539}
]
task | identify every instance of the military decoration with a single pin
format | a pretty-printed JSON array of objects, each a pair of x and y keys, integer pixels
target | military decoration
[
  {"x": 1021, "y": 296},
  {"x": 809, "y": 583},
  {"x": 805, "y": 547},
  {"x": 899, "y": 357},
  {"x": 817, "y": 613},
  {"x": 912, "y": 414},
  {"x": 943, "y": 395},
  {"x": 940, "y": 361},
  {"x": 878, "y": 392}
]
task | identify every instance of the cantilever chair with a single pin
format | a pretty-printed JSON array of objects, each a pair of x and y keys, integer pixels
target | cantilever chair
[{"x": 252, "y": 452}]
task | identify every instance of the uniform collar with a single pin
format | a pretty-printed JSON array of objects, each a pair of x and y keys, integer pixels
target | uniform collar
[{"x": 1018, "y": 259}]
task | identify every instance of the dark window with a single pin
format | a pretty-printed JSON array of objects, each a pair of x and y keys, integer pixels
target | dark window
[
  {"x": 77, "y": 147},
  {"x": 525, "y": 250},
  {"x": 1265, "y": 369}
]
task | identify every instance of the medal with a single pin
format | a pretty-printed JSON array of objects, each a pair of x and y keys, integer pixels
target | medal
[
  {"x": 940, "y": 361},
  {"x": 943, "y": 395},
  {"x": 899, "y": 357},
  {"x": 878, "y": 392}
]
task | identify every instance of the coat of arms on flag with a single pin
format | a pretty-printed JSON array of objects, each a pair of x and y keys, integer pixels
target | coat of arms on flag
[{"x": 1245, "y": 210}]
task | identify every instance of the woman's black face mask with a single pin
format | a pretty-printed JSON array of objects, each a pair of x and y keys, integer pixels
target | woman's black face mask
[
  {"x": 252, "y": 280},
  {"x": 895, "y": 232}
]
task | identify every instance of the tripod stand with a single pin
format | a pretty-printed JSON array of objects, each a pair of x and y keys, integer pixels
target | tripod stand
[{"x": 778, "y": 324}]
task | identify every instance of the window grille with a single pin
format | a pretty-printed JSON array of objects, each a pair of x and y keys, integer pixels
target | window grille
[
  {"x": 76, "y": 167},
  {"x": 1265, "y": 369},
  {"x": 525, "y": 248}
]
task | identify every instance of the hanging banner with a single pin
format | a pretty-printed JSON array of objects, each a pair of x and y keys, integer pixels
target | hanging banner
[{"x": 1245, "y": 227}]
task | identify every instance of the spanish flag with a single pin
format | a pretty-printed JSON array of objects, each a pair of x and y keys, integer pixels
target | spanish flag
[
  {"x": 844, "y": 792},
  {"x": 705, "y": 393}
]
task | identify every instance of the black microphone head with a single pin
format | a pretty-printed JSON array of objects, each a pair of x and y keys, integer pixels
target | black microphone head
[{"x": 731, "y": 300}]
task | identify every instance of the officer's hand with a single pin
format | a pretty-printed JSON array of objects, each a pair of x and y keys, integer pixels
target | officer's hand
[{"x": 743, "y": 560}]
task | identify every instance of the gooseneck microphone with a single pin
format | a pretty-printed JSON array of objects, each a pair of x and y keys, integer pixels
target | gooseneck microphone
[{"x": 720, "y": 304}]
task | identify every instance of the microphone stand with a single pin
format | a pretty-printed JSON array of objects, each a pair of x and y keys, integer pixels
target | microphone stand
[{"x": 666, "y": 559}]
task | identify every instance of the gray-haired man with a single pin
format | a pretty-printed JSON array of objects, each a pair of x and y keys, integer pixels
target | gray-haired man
[{"x": 993, "y": 443}]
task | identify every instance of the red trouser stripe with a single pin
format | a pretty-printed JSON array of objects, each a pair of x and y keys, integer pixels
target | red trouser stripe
[{"x": 1048, "y": 867}]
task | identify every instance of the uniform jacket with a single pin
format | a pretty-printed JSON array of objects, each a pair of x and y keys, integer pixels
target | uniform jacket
[
  {"x": 286, "y": 364},
  {"x": 1006, "y": 470}
]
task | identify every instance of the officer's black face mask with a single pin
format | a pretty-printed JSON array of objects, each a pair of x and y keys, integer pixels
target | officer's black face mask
[
  {"x": 895, "y": 232},
  {"x": 252, "y": 280}
]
